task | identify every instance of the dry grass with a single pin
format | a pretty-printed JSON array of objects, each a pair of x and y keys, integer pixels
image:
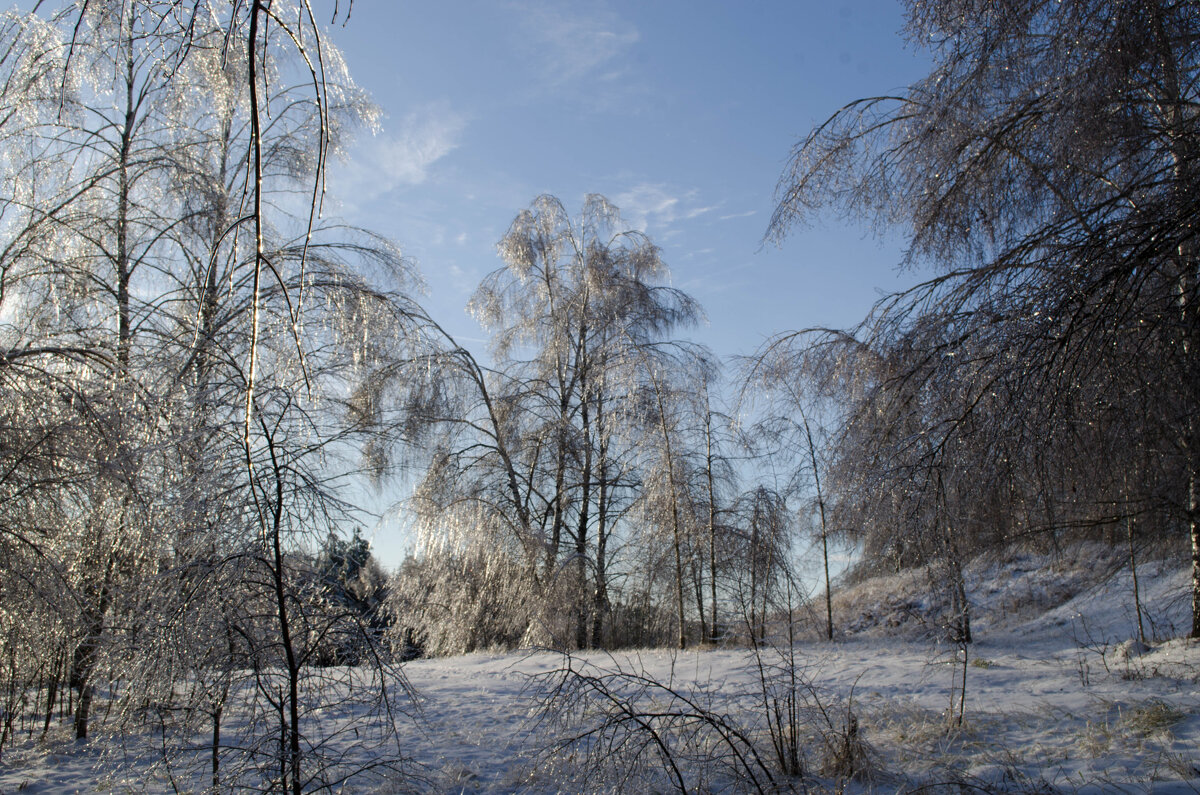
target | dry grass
[{"x": 1150, "y": 718}]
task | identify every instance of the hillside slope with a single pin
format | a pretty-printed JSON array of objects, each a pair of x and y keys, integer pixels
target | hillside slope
[{"x": 1083, "y": 593}]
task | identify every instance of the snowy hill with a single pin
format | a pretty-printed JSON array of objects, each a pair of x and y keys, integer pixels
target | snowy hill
[{"x": 1086, "y": 589}]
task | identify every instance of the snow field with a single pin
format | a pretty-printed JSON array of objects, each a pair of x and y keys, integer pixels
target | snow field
[{"x": 1059, "y": 698}]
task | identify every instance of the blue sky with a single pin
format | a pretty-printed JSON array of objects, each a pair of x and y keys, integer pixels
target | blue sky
[{"x": 681, "y": 113}]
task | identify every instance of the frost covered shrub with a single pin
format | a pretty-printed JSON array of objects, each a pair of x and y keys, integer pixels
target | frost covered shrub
[
  {"x": 477, "y": 599},
  {"x": 460, "y": 602},
  {"x": 619, "y": 729},
  {"x": 639, "y": 623}
]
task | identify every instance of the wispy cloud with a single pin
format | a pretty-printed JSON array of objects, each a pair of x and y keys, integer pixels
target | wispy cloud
[
  {"x": 423, "y": 139},
  {"x": 576, "y": 42},
  {"x": 404, "y": 153},
  {"x": 650, "y": 205}
]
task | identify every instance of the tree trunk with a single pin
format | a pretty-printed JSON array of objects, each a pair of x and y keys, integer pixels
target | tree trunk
[
  {"x": 85, "y": 657},
  {"x": 676, "y": 530},
  {"x": 56, "y": 670},
  {"x": 216, "y": 749},
  {"x": 581, "y": 601},
  {"x": 712, "y": 526},
  {"x": 600, "y": 594},
  {"x": 1182, "y": 143},
  {"x": 754, "y": 572},
  {"x": 1137, "y": 597},
  {"x": 698, "y": 587},
  {"x": 961, "y": 606},
  {"x": 812, "y": 457},
  {"x": 1194, "y": 530},
  {"x": 291, "y": 726}
]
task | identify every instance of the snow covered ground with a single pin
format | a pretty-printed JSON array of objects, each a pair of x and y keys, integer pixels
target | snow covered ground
[{"x": 1057, "y": 699}]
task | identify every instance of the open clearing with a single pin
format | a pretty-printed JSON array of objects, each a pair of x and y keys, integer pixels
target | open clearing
[{"x": 1057, "y": 699}]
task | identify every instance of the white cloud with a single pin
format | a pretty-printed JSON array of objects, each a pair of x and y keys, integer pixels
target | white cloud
[
  {"x": 576, "y": 42},
  {"x": 403, "y": 155},
  {"x": 424, "y": 137},
  {"x": 648, "y": 204}
]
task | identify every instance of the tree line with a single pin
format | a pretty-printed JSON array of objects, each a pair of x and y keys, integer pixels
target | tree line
[
  {"x": 587, "y": 490},
  {"x": 198, "y": 368},
  {"x": 1039, "y": 387}
]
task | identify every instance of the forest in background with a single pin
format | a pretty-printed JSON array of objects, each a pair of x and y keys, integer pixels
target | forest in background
[{"x": 198, "y": 368}]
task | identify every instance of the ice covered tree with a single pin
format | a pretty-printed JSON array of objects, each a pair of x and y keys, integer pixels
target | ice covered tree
[
  {"x": 1047, "y": 166},
  {"x": 202, "y": 339},
  {"x": 537, "y": 450}
]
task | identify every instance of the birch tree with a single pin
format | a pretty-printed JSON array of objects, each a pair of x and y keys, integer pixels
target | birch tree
[
  {"x": 212, "y": 375},
  {"x": 1047, "y": 165},
  {"x": 538, "y": 448}
]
